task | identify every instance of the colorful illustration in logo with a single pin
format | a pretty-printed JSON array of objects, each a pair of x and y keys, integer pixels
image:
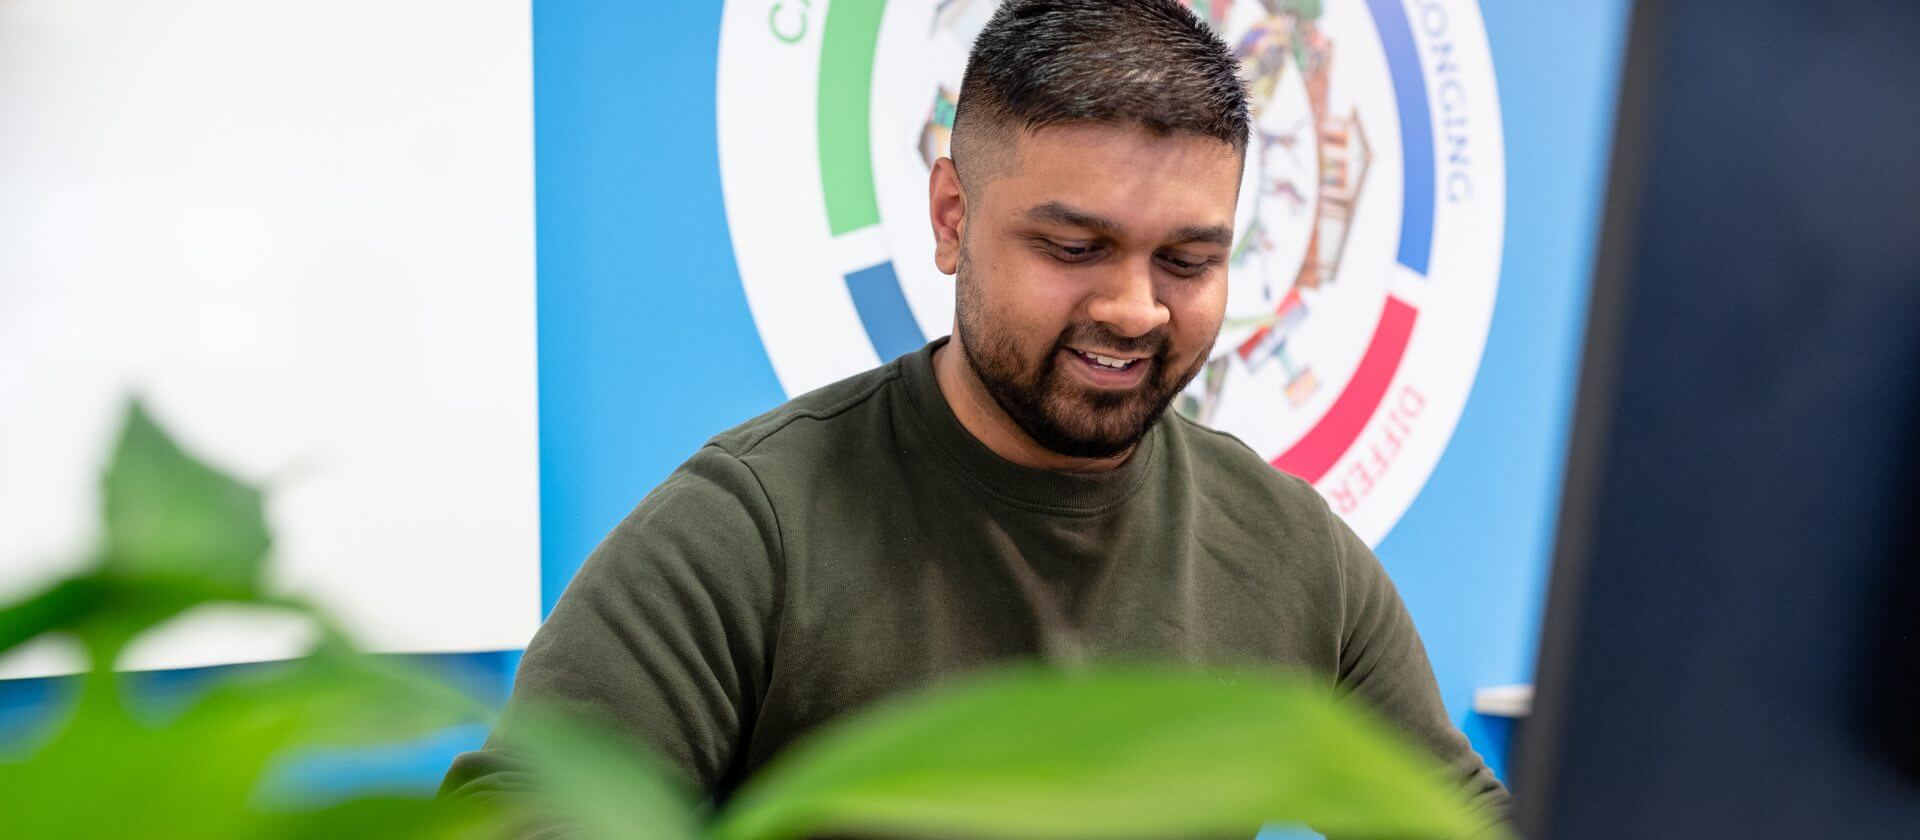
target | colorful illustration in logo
[{"x": 1361, "y": 283}]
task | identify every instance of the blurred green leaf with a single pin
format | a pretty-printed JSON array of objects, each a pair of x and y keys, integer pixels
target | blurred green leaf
[
  {"x": 59, "y": 607},
  {"x": 1114, "y": 752},
  {"x": 372, "y": 817},
  {"x": 197, "y": 773},
  {"x": 586, "y": 782},
  {"x": 181, "y": 534},
  {"x": 341, "y": 698},
  {"x": 168, "y": 512},
  {"x": 107, "y": 609},
  {"x": 108, "y": 774}
]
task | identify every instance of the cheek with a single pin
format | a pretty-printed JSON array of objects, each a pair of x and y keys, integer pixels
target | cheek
[
  {"x": 1197, "y": 312},
  {"x": 1024, "y": 294}
]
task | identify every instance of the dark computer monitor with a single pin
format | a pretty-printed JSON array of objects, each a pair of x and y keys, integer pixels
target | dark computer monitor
[{"x": 1732, "y": 637}]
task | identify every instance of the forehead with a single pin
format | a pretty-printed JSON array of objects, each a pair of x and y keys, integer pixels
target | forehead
[{"x": 1150, "y": 183}]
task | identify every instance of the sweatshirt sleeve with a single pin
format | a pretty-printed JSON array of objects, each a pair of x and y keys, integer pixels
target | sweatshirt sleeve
[
  {"x": 1384, "y": 664},
  {"x": 663, "y": 633}
]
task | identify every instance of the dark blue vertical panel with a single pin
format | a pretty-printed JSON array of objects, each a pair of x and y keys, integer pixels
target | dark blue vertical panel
[{"x": 1733, "y": 641}]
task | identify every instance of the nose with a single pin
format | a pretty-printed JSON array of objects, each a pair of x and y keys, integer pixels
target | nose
[{"x": 1126, "y": 304}]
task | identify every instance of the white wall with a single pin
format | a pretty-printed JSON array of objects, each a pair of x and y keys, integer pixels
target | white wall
[{"x": 304, "y": 230}]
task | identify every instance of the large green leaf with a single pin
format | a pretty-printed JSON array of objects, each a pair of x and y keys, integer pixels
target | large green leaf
[
  {"x": 106, "y": 609},
  {"x": 342, "y": 698},
  {"x": 110, "y": 774},
  {"x": 197, "y": 773},
  {"x": 585, "y": 782},
  {"x": 59, "y": 607},
  {"x": 181, "y": 534},
  {"x": 374, "y": 817},
  {"x": 168, "y": 512},
  {"x": 1113, "y": 752}
]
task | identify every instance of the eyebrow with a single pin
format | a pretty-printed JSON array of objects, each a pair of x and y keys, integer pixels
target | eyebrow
[
  {"x": 1055, "y": 212},
  {"x": 1220, "y": 235}
]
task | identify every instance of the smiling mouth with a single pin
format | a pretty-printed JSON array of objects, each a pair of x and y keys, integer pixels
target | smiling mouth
[{"x": 1108, "y": 362}]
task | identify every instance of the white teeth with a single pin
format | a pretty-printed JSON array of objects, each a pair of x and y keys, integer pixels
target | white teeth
[{"x": 1109, "y": 361}]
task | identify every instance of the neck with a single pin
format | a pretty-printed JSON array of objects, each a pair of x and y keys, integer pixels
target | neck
[{"x": 983, "y": 418}]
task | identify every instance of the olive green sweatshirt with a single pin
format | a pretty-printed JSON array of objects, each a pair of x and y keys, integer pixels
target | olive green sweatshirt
[{"x": 857, "y": 542}]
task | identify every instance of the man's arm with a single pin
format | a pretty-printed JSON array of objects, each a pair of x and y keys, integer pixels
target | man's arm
[
  {"x": 663, "y": 632},
  {"x": 1383, "y": 662}
]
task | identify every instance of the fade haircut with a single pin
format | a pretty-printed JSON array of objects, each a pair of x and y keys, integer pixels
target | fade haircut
[{"x": 1038, "y": 63}]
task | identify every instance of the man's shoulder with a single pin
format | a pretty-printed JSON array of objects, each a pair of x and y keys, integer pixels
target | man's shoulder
[
  {"x": 758, "y": 464},
  {"x": 1231, "y": 470},
  {"x": 1215, "y": 450},
  {"x": 797, "y": 421}
]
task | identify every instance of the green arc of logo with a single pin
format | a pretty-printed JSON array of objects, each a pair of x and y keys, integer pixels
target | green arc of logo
[{"x": 848, "y": 38}]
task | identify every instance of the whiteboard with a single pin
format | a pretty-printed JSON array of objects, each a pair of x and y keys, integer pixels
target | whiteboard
[{"x": 304, "y": 232}]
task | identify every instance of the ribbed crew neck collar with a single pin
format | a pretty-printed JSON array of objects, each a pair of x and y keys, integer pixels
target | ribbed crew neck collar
[{"x": 1045, "y": 490}]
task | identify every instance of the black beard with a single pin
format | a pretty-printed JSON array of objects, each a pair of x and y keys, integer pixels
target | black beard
[{"x": 1059, "y": 415}]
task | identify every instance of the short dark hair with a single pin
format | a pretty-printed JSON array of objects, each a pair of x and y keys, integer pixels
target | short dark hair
[{"x": 1143, "y": 62}]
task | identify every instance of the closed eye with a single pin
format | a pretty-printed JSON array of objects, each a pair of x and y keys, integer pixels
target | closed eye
[
  {"x": 1186, "y": 267},
  {"x": 1070, "y": 253}
]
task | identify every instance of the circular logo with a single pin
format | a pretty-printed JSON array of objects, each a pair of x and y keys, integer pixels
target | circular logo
[{"x": 1362, "y": 279}]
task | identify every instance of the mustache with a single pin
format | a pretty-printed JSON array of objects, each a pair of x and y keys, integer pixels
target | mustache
[{"x": 1088, "y": 333}]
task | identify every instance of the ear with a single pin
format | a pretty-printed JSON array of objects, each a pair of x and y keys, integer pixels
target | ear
[{"x": 947, "y": 206}]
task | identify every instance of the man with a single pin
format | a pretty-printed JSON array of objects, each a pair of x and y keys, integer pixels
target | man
[{"x": 1019, "y": 490}]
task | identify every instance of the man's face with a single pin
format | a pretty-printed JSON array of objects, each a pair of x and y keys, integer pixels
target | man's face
[{"x": 1092, "y": 277}]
